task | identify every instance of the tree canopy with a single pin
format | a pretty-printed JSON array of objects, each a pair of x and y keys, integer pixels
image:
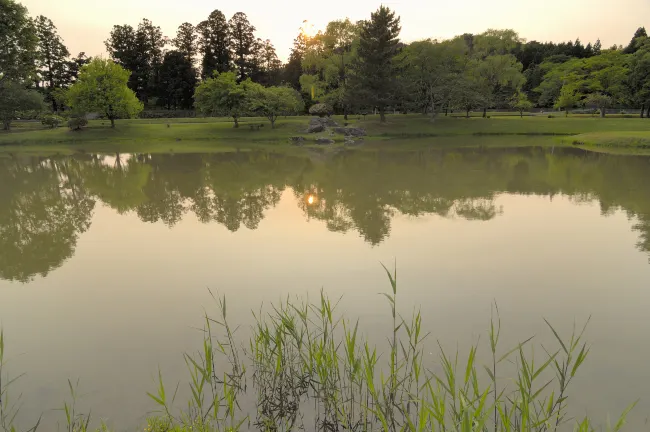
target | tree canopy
[{"x": 102, "y": 87}]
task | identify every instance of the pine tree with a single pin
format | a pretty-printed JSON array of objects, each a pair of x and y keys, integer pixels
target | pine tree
[
  {"x": 633, "y": 46},
  {"x": 186, "y": 41},
  {"x": 373, "y": 81},
  {"x": 242, "y": 37},
  {"x": 52, "y": 58},
  {"x": 214, "y": 44},
  {"x": 597, "y": 47}
]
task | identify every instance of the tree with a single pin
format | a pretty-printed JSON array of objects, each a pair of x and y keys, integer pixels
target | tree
[
  {"x": 186, "y": 41},
  {"x": 633, "y": 46},
  {"x": 328, "y": 58},
  {"x": 139, "y": 51},
  {"x": 18, "y": 52},
  {"x": 102, "y": 87},
  {"x": 214, "y": 44},
  {"x": 568, "y": 98},
  {"x": 222, "y": 96},
  {"x": 242, "y": 44},
  {"x": 14, "y": 98},
  {"x": 374, "y": 74},
  {"x": 177, "y": 81},
  {"x": 293, "y": 69},
  {"x": 497, "y": 76},
  {"x": 600, "y": 101},
  {"x": 75, "y": 65},
  {"x": 431, "y": 72},
  {"x": 272, "y": 102},
  {"x": 639, "y": 77},
  {"x": 53, "y": 58},
  {"x": 521, "y": 103}
]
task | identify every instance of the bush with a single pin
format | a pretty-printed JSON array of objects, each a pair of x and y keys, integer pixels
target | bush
[
  {"x": 159, "y": 114},
  {"x": 77, "y": 123},
  {"x": 321, "y": 110},
  {"x": 551, "y": 116},
  {"x": 51, "y": 120}
]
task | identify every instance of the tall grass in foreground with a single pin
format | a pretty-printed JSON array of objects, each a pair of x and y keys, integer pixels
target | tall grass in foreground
[{"x": 307, "y": 368}]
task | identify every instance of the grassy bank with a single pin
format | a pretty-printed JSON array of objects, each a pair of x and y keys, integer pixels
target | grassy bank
[
  {"x": 306, "y": 367},
  {"x": 217, "y": 134}
]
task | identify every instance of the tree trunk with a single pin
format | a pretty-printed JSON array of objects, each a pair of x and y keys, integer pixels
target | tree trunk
[
  {"x": 382, "y": 115},
  {"x": 602, "y": 113},
  {"x": 467, "y": 114},
  {"x": 521, "y": 114},
  {"x": 272, "y": 118},
  {"x": 236, "y": 122},
  {"x": 112, "y": 123},
  {"x": 6, "y": 124},
  {"x": 345, "y": 114},
  {"x": 566, "y": 113},
  {"x": 642, "y": 110}
]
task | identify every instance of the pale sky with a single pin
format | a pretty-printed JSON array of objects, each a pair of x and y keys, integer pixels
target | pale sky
[{"x": 84, "y": 25}]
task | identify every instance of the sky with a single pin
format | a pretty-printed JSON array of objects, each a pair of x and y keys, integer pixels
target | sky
[{"x": 85, "y": 25}]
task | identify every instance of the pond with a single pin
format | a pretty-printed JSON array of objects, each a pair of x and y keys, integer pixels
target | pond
[{"x": 106, "y": 261}]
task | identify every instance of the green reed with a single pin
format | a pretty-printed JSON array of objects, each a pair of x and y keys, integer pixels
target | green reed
[{"x": 312, "y": 369}]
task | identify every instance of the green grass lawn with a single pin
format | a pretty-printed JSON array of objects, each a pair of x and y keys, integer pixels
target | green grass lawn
[{"x": 414, "y": 131}]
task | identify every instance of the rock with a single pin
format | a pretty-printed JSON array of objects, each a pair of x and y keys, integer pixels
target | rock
[
  {"x": 315, "y": 128},
  {"x": 297, "y": 140},
  {"x": 319, "y": 124},
  {"x": 350, "y": 131},
  {"x": 324, "y": 141}
]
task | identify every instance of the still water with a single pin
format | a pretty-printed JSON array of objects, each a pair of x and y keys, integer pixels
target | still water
[{"x": 106, "y": 260}]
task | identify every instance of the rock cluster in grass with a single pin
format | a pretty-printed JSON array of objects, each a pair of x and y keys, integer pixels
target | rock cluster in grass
[{"x": 327, "y": 124}]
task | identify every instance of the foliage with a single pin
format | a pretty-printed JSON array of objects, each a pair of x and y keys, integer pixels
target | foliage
[
  {"x": 521, "y": 103},
  {"x": 77, "y": 123},
  {"x": 19, "y": 43},
  {"x": 214, "y": 44},
  {"x": 102, "y": 87},
  {"x": 51, "y": 120},
  {"x": 600, "y": 101},
  {"x": 272, "y": 102},
  {"x": 14, "y": 98},
  {"x": 177, "y": 81},
  {"x": 328, "y": 58},
  {"x": 52, "y": 58},
  {"x": 320, "y": 110},
  {"x": 568, "y": 98},
  {"x": 373, "y": 79},
  {"x": 222, "y": 96},
  {"x": 140, "y": 52},
  {"x": 242, "y": 40},
  {"x": 186, "y": 41}
]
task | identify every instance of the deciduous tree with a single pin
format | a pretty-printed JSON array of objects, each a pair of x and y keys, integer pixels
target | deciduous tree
[
  {"x": 14, "y": 98},
  {"x": 222, "y": 96},
  {"x": 102, "y": 87}
]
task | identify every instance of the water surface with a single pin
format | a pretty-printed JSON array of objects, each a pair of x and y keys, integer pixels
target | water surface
[{"x": 106, "y": 260}]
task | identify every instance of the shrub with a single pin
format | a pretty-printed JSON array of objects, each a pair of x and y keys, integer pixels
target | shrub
[
  {"x": 51, "y": 120},
  {"x": 77, "y": 123},
  {"x": 321, "y": 110},
  {"x": 551, "y": 116}
]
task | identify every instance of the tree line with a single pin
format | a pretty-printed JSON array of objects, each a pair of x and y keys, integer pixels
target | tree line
[{"x": 221, "y": 67}]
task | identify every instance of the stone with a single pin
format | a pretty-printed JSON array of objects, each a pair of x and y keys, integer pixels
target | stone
[
  {"x": 297, "y": 140},
  {"x": 350, "y": 131},
  {"x": 315, "y": 128},
  {"x": 324, "y": 141}
]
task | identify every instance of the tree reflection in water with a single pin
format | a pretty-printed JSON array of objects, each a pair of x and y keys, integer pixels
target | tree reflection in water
[{"x": 46, "y": 203}]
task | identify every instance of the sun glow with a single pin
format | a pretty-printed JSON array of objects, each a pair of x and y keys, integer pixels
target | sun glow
[
  {"x": 311, "y": 199},
  {"x": 308, "y": 30}
]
